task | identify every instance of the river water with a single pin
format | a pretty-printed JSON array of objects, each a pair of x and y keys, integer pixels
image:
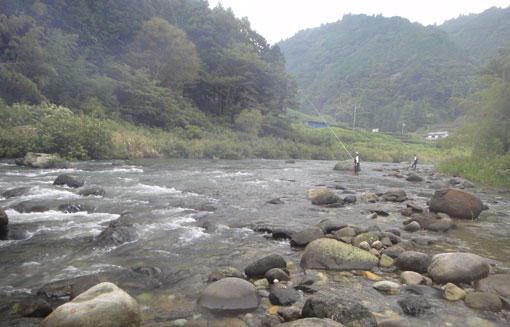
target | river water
[{"x": 185, "y": 244}]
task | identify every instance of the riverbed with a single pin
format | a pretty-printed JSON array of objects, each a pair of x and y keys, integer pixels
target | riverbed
[{"x": 191, "y": 216}]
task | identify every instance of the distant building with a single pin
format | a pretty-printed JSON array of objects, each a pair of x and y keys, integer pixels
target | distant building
[
  {"x": 315, "y": 124},
  {"x": 436, "y": 135},
  {"x": 375, "y": 130}
]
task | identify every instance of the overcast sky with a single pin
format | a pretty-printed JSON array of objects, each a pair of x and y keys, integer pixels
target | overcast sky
[{"x": 280, "y": 19}]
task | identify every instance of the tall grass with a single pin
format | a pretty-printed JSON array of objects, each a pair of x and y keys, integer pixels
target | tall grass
[{"x": 494, "y": 171}]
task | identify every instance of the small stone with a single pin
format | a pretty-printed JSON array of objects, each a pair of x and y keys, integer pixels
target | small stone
[
  {"x": 370, "y": 275},
  {"x": 453, "y": 293},
  {"x": 411, "y": 278},
  {"x": 377, "y": 245},
  {"x": 372, "y": 216},
  {"x": 412, "y": 227},
  {"x": 364, "y": 245},
  {"x": 385, "y": 261},
  {"x": 387, "y": 287}
]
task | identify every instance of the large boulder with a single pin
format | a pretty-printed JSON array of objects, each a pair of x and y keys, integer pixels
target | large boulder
[
  {"x": 326, "y": 253},
  {"x": 230, "y": 294},
  {"x": 395, "y": 195},
  {"x": 65, "y": 179},
  {"x": 4, "y": 222},
  {"x": 312, "y": 322},
  {"x": 104, "y": 305},
  {"x": 323, "y": 197},
  {"x": 346, "y": 311},
  {"x": 261, "y": 266},
  {"x": 15, "y": 192},
  {"x": 456, "y": 204},
  {"x": 41, "y": 160},
  {"x": 458, "y": 268},
  {"x": 116, "y": 234},
  {"x": 345, "y": 165}
]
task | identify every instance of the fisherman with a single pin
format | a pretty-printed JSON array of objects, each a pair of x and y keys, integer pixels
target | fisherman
[
  {"x": 415, "y": 161},
  {"x": 356, "y": 162}
]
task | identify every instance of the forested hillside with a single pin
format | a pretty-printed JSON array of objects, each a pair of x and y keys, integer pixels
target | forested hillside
[
  {"x": 395, "y": 71},
  {"x": 481, "y": 34},
  {"x": 162, "y": 63}
]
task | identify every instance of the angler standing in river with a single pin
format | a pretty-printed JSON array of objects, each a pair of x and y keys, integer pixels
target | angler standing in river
[{"x": 356, "y": 162}]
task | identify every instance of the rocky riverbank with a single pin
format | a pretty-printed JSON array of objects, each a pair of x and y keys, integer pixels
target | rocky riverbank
[{"x": 332, "y": 273}]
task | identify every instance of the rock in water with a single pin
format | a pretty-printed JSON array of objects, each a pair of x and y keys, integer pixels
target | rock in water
[
  {"x": 458, "y": 268},
  {"x": 455, "y": 203},
  {"x": 326, "y": 253},
  {"x": 230, "y": 294},
  {"x": 260, "y": 267},
  {"x": 104, "y": 305},
  {"x": 65, "y": 179},
  {"x": 346, "y": 165},
  {"x": 4, "y": 221},
  {"x": 345, "y": 311},
  {"x": 41, "y": 160}
]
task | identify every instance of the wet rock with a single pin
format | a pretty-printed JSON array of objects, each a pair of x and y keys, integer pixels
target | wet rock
[
  {"x": 394, "y": 322},
  {"x": 386, "y": 261},
  {"x": 282, "y": 232},
  {"x": 364, "y": 246},
  {"x": 412, "y": 227},
  {"x": 23, "y": 306},
  {"x": 407, "y": 212},
  {"x": 364, "y": 237},
  {"x": 283, "y": 296},
  {"x": 224, "y": 272},
  {"x": 326, "y": 198},
  {"x": 413, "y": 261},
  {"x": 414, "y": 207},
  {"x": 497, "y": 284},
  {"x": 458, "y": 268},
  {"x": 102, "y": 303},
  {"x": 65, "y": 179},
  {"x": 22, "y": 322},
  {"x": 4, "y": 224},
  {"x": 42, "y": 160},
  {"x": 411, "y": 278},
  {"x": 19, "y": 191},
  {"x": 261, "y": 266},
  {"x": 387, "y": 287},
  {"x": 453, "y": 293},
  {"x": 414, "y": 178},
  {"x": 116, "y": 234},
  {"x": 441, "y": 225},
  {"x": 380, "y": 212},
  {"x": 483, "y": 301},
  {"x": 75, "y": 207},
  {"x": 455, "y": 203},
  {"x": 345, "y": 165},
  {"x": 329, "y": 226},
  {"x": 28, "y": 207},
  {"x": 414, "y": 305},
  {"x": 394, "y": 251},
  {"x": 278, "y": 274},
  {"x": 230, "y": 294},
  {"x": 395, "y": 195},
  {"x": 325, "y": 253},
  {"x": 313, "y": 193},
  {"x": 276, "y": 201},
  {"x": 92, "y": 191},
  {"x": 313, "y": 322},
  {"x": 345, "y": 232},
  {"x": 377, "y": 245},
  {"x": 291, "y": 313},
  {"x": 209, "y": 207},
  {"x": 350, "y": 199},
  {"x": 369, "y": 197},
  {"x": 306, "y": 236},
  {"x": 345, "y": 311}
]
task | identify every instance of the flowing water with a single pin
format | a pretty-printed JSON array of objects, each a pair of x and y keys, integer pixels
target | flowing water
[{"x": 163, "y": 197}]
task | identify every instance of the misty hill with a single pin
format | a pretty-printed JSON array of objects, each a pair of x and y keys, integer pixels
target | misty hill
[{"x": 480, "y": 34}]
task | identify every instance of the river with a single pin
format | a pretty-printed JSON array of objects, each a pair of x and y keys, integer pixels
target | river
[{"x": 163, "y": 198}]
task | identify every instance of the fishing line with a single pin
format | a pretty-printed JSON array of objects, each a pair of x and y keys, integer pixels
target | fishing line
[{"x": 332, "y": 131}]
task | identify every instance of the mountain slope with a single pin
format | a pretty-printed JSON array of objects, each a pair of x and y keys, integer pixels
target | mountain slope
[
  {"x": 396, "y": 71},
  {"x": 480, "y": 34}
]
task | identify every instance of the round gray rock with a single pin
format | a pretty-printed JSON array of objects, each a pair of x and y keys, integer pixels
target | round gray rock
[
  {"x": 230, "y": 294},
  {"x": 413, "y": 261},
  {"x": 326, "y": 253},
  {"x": 458, "y": 268},
  {"x": 104, "y": 305}
]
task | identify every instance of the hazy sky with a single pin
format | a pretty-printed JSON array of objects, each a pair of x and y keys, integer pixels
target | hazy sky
[{"x": 280, "y": 19}]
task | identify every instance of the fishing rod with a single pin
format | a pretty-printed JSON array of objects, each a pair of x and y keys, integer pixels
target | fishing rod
[{"x": 332, "y": 131}]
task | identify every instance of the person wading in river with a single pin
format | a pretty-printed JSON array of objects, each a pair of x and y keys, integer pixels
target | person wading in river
[
  {"x": 415, "y": 161},
  {"x": 356, "y": 162}
]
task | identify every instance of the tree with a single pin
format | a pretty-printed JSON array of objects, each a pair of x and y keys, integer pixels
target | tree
[{"x": 166, "y": 53}]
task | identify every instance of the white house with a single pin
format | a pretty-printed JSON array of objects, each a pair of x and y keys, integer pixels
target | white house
[{"x": 436, "y": 135}]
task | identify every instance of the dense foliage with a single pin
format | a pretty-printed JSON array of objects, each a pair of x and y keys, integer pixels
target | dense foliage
[
  {"x": 487, "y": 129},
  {"x": 480, "y": 34},
  {"x": 164, "y": 63},
  {"x": 395, "y": 71}
]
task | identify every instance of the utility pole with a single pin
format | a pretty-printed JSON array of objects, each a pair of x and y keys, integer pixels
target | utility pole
[{"x": 354, "y": 119}]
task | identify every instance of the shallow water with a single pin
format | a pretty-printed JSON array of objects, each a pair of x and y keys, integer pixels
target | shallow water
[{"x": 162, "y": 196}]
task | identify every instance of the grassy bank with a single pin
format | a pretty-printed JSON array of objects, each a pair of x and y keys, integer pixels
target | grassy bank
[
  {"x": 53, "y": 129},
  {"x": 494, "y": 171}
]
